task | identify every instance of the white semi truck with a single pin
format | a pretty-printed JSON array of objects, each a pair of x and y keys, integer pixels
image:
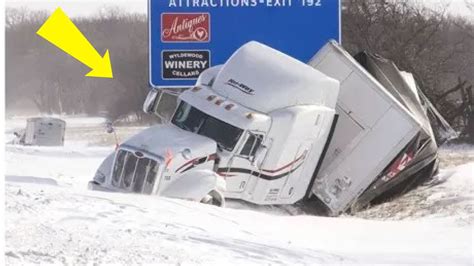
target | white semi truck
[{"x": 268, "y": 129}]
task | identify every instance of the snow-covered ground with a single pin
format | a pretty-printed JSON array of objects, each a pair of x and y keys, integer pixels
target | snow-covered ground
[
  {"x": 52, "y": 218},
  {"x": 449, "y": 194}
]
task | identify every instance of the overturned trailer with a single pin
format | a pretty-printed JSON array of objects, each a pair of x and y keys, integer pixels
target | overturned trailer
[
  {"x": 268, "y": 129},
  {"x": 383, "y": 142}
]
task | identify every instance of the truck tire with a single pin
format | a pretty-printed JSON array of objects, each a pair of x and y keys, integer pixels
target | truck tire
[{"x": 214, "y": 198}]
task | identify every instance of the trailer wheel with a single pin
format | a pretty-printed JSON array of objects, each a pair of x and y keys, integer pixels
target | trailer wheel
[{"x": 214, "y": 198}]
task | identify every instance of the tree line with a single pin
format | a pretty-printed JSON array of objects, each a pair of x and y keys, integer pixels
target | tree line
[
  {"x": 436, "y": 47},
  {"x": 54, "y": 82}
]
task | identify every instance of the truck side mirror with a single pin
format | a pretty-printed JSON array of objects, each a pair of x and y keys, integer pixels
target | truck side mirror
[
  {"x": 150, "y": 101},
  {"x": 162, "y": 102},
  {"x": 257, "y": 160}
]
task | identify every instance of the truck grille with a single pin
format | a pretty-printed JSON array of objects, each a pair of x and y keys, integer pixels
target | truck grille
[{"x": 133, "y": 172}]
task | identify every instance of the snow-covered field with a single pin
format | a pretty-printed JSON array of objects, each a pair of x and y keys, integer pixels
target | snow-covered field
[{"x": 51, "y": 217}]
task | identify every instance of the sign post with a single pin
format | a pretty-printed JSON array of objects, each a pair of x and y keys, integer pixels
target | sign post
[{"x": 189, "y": 36}]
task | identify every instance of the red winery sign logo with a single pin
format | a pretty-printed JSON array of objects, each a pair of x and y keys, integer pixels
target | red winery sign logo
[{"x": 185, "y": 27}]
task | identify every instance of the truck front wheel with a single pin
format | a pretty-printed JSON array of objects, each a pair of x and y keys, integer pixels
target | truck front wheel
[{"x": 214, "y": 198}]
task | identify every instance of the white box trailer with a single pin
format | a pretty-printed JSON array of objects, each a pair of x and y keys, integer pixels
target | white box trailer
[
  {"x": 44, "y": 131},
  {"x": 373, "y": 129}
]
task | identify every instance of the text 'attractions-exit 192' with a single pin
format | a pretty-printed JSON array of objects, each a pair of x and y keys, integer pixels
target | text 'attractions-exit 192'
[{"x": 189, "y": 36}]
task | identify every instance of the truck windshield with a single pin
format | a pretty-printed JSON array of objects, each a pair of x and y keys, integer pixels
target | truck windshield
[{"x": 191, "y": 119}]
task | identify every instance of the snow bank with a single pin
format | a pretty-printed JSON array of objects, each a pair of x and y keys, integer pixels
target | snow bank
[
  {"x": 52, "y": 218},
  {"x": 51, "y": 224},
  {"x": 453, "y": 155},
  {"x": 449, "y": 195}
]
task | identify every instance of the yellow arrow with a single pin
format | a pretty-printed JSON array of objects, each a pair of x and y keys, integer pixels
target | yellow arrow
[{"x": 61, "y": 31}]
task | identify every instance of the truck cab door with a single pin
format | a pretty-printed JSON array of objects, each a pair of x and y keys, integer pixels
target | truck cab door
[
  {"x": 242, "y": 164},
  {"x": 294, "y": 179}
]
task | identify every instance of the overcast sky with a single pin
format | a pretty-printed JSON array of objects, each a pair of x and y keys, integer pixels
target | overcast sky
[{"x": 90, "y": 7}]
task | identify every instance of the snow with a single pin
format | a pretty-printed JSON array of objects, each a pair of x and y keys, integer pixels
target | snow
[
  {"x": 449, "y": 195},
  {"x": 51, "y": 217}
]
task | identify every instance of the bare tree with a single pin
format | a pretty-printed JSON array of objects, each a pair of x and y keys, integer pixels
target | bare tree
[{"x": 437, "y": 48}]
